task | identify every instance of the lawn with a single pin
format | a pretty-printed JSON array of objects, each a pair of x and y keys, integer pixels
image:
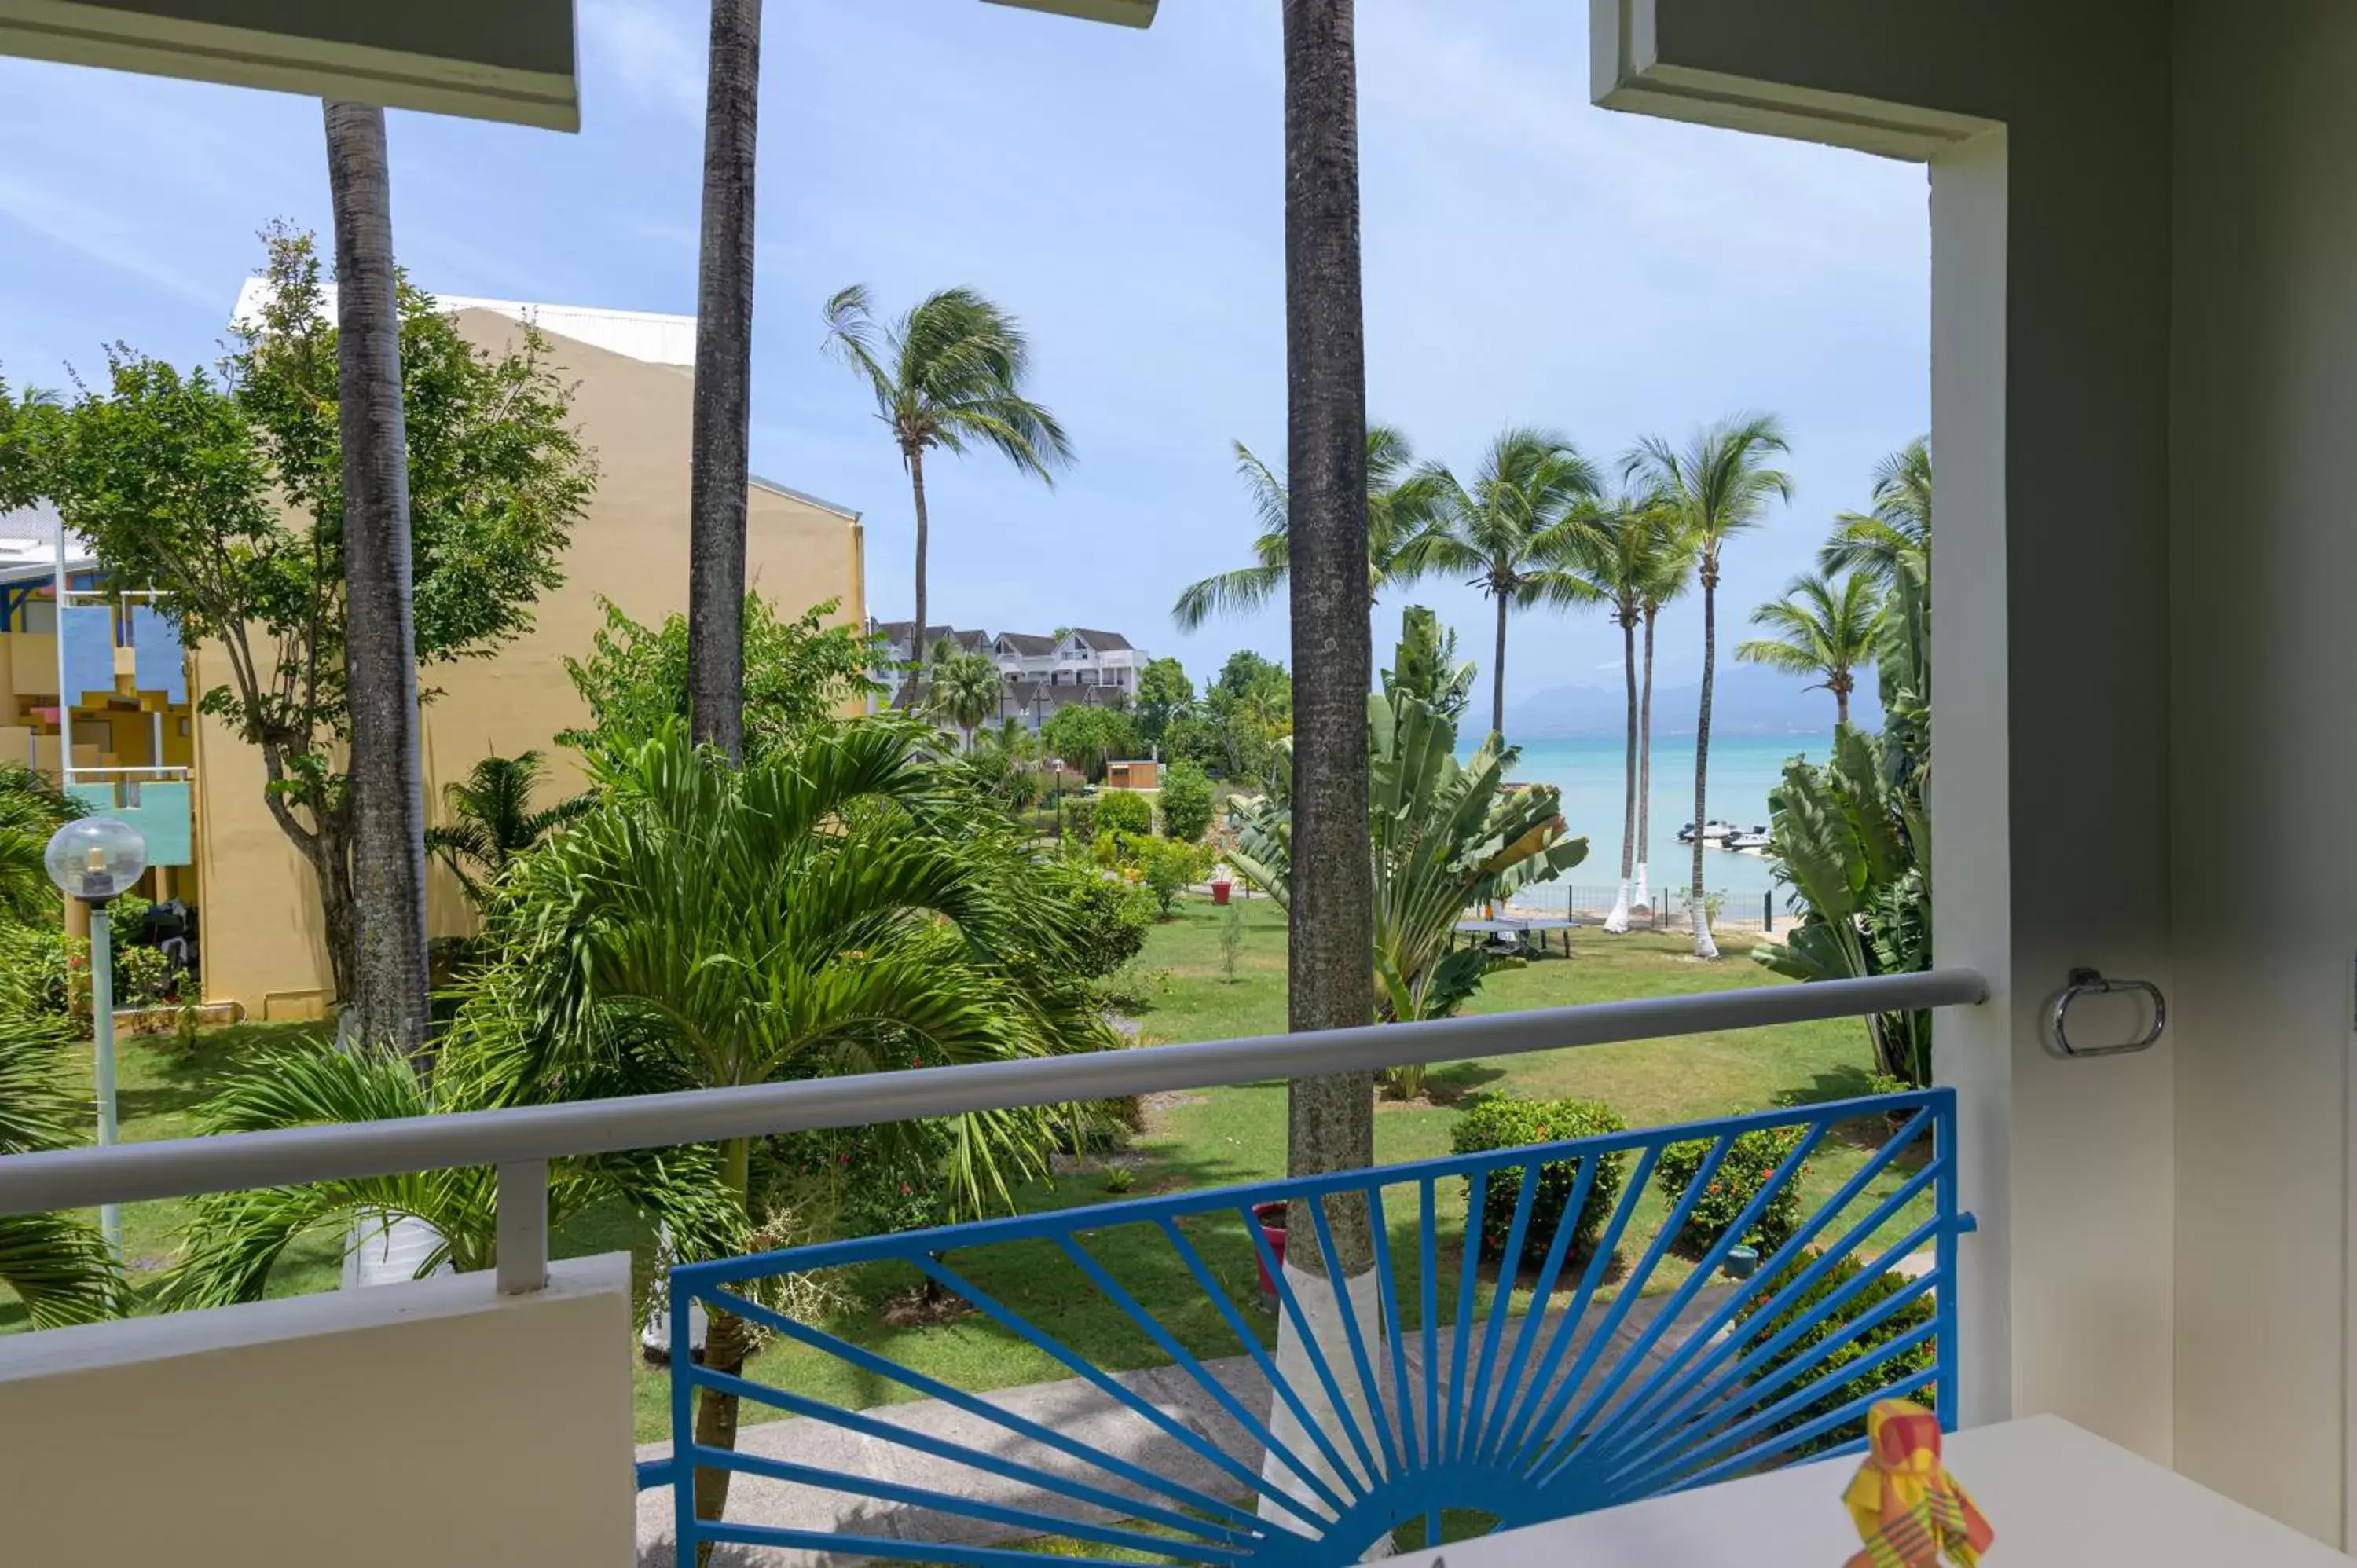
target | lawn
[{"x": 1214, "y": 1138}]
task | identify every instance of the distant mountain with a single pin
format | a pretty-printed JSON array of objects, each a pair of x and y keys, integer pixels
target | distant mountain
[{"x": 1748, "y": 701}]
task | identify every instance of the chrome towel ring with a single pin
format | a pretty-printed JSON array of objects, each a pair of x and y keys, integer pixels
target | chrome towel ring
[{"x": 2091, "y": 982}]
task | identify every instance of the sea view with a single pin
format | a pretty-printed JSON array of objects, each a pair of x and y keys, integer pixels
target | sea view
[{"x": 1743, "y": 769}]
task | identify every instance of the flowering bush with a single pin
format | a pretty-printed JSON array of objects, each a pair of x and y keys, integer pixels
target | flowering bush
[
  {"x": 1750, "y": 1162},
  {"x": 1822, "y": 1370},
  {"x": 1502, "y": 1122}
]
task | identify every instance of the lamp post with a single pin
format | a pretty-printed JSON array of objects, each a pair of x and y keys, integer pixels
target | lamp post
[
  {"x": 1056, "y": 795},
  {"x": 97, "y": 859}
]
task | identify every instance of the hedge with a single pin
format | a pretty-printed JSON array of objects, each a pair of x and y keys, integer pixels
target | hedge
[
  {"x": 1502, "y": 1122},
  {"x": 1749, "y": 1163},
  {"x": 1840, "y": 1390}
]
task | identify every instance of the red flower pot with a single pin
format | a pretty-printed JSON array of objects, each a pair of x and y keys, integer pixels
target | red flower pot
[
  {"x": 1220, "y": 891},
  {"x": 1270, "y": 1218}
]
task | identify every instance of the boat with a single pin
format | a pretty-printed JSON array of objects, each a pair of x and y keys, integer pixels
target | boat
[
  {"x": 1712, "y": 832},
  {"x": 1749, "y": 841}
]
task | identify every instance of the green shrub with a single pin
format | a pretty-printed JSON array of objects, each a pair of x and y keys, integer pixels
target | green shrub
[
  {"x": 1109, "y": 919},
  {"x": 1079, "y": 818},
  {"x": 1186, "y": 802},
  {"x": 1125, "y": 809},
  {"x": 1171, "y": 867},
  {"x": 1749, "y": 1163},
  {"x": 1841, "y": 1391},
  {"x": 1502, "y": 1122}
]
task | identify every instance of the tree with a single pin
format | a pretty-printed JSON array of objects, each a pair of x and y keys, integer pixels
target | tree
[
  {"x": 1512, "y": 533},
  {"x": 799, "y": 673},
  {"x": 1898, "y": 526},
  {"x": 387, "y": 801},
  {"x": 1621, "y": 560},
  {"x": 720, "y": 434},
  {"x": 1442, "y": 835},
  {"x": 493, "y": 821},
  {"x": 1821, "y": 628},
  {"x": 1164, "y": 696},
  {"x": 967, "y": 689},
  {"x": 59, "y": 1264},
  {"x": 1855, "y": 838},
  {"x": 1087, "y": 737},
  {"x": 1250, "y": 708},
  {"x": 1672, "y": 576},
  {"x": 1329, "y": 1121},
  {"x": 950, "y": 373},
  {"x": 226, "y": 494},
  {"x": 26, "y": 421},
  {"x": 841, "y": 908},
  {"x": 1186, "y": 802},
  {"x": 1719, "y": 484},
  {"x": 1397, "y": 497},
  {"x": 32, "y": 808}
]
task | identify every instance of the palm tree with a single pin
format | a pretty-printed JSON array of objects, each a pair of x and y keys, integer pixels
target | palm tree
[
  {"x": 1620, "y": 561},
  {"x": 720, "y": 437},
  {"x": 1396, "y": 495},
  {"x": 1898, "y": 526},
  {"x": 492, "y": 819},
  {"x": 1330, "y": 1122},
  {"x": 1673, "y": 574},
  {"x": 838, "y": 907},
  {"x": 32, "y": 806},
  {"x": 1720, "y": 484},
  {"x": 59, "y": 1264},
  {"x": 967, "y": 689},
  {"x": 1513, "y": 534},
  {"x": 950, "y": 373},
  {"x": 1822, "y": 629},
  {"x": 388, "y": 800}
]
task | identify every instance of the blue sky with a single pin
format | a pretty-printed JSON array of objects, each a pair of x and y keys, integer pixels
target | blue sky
[{"x": 1530, "y": 260}]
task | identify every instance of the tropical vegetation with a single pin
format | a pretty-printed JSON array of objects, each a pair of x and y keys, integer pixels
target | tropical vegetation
[
  {"x": 949, "y": 374},
  {"x": 1820, "y": 628},
  {"x": 488, "y": 820},
  {"x": 58, "y": 1265}
]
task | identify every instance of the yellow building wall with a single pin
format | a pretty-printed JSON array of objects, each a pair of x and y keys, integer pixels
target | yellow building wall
[{"x": 264, "y": 944}]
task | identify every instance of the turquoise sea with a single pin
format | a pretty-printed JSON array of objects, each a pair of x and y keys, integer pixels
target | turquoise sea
[{"x": 1743, "y": 769}]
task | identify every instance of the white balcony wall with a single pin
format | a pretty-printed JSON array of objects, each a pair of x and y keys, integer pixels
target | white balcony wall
[{"x": 429, "y": 1422}]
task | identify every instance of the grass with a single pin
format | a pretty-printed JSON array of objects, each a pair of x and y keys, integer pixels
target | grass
[{"x": 1215, "y": 1138}]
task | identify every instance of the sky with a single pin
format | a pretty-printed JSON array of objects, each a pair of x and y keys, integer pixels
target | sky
[{"x": 1531, "y": 260}]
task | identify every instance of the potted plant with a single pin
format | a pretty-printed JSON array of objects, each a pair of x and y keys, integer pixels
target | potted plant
[{"x": 1222, "y": 885}]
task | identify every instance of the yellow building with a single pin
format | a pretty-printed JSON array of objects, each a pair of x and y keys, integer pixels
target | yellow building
[{"x": 262, "y": 941}]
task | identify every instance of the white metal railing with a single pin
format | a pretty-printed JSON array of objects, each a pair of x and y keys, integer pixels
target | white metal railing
[{"x": 521, "y": 1142}]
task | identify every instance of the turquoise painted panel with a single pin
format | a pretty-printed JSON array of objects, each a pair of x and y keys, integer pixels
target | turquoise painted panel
[
  {"x": 98, "y": 798},
  {"x": 155, "y": 644},
  {"x": 162, "y": 816},
  {"x": 86, "y": 633}
]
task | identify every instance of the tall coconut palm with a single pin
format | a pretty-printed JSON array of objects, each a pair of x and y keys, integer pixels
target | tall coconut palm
[
  {"x": 1330, "y": 1122},
  {"x": 1672, "y": 576},
  {"x": 967, "y": 689},
  {"x": 1620, "y": 559},
  {"x": 379, "y": 640},
  {"x": 720, "y": 434},
  {"x": 58, "y": 1264},
  {"x": 491, "y": 819},
  {"x": 950, "y": 373},
  {"x": 1822, "y": 629},
  {"x": 1720, "y": 484},
  {"x": 1396, "y": 495},
  {"x": 1513, "y": 534},
  {"x": 841, "y": 906},
  {"x": 1898, "y": 526}
]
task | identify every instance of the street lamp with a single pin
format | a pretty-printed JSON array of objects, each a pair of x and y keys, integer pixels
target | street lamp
[{"x": 96, "y": 860}]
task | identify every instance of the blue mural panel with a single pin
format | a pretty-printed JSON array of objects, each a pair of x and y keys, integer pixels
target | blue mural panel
[
  {"x": 155, "y": 644},
  {"x": 86, "y": 635}
]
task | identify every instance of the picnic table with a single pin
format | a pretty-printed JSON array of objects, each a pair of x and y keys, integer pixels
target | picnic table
[{"x": 1522, "y": 928}]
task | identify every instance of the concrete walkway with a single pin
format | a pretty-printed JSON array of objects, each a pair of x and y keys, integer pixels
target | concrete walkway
[{"x": 1080, "y": 1412}]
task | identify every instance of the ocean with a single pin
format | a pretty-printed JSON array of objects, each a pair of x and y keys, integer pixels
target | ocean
[{"x": 1743, "y": 769}]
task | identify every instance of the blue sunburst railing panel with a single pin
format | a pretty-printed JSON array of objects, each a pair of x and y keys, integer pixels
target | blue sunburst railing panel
[{"x": 1204, "y": 1393}]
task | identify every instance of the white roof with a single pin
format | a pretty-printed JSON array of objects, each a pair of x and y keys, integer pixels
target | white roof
[
  {"x": 28, "y": 545},
  {"x": 635, "y": 334}
]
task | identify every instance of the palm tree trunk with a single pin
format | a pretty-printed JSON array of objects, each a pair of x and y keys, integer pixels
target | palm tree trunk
[
  {"x": 1498, "y": 681},
  {"x": 1841, "y": 707},
  {"x": 1703, "y": 946},
  {"x": 388, "y": 833},
  {"x": 1645, "y": 768},
  {"x": 727, "y": 1343},
  {"x": 722, "y": 434},
  {"x": 924, "y": 533},
  {"x": 1619, "y": 919},
  {"x": 1330, "y": 963}
]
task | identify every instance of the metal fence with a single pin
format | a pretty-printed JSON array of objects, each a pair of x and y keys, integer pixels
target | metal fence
[
  {"x": 1668, "y": 908},
  {"x": 1541, "y": 1331}
]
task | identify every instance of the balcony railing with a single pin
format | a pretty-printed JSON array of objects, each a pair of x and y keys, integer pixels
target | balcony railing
[{"x": 1493, "y": 1371}]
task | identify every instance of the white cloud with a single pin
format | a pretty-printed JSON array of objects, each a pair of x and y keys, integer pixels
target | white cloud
[{"x": 654, "y": 49}]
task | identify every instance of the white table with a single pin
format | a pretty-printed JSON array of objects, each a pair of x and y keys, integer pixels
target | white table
[{"x": 2056, "y": 1496}]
